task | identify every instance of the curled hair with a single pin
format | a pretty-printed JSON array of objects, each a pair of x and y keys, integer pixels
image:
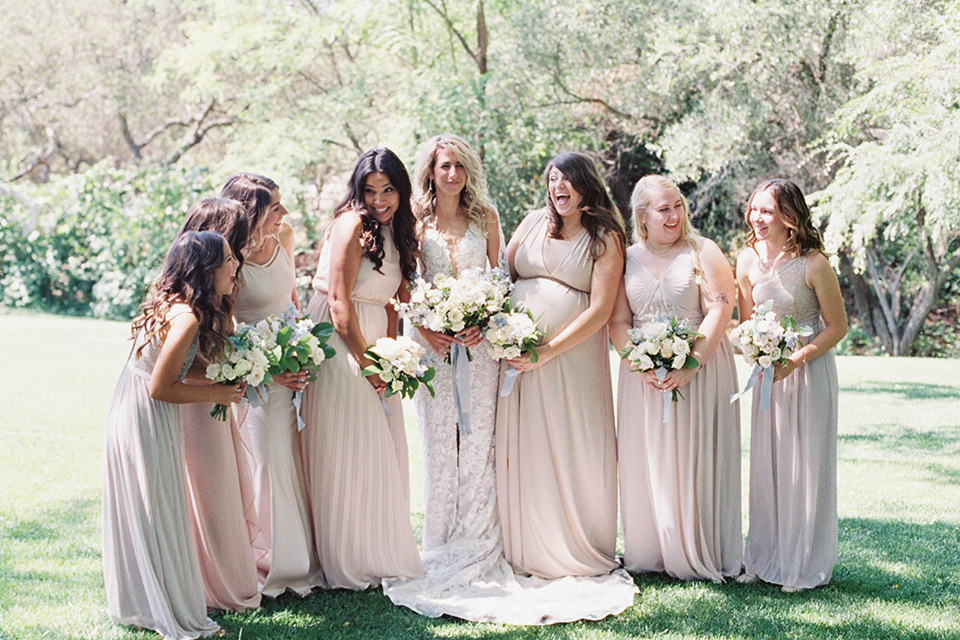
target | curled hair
[
  {"x": 802, "y": 236},
  {"x": 599, "y": 214},
  {"x": 385, "y": 161},
  {"x": 474, "y": 197},
  {"x": 187, "y": 277},
  {"x": 254, "y": 192},
  {"x": 640, "y": 203}
]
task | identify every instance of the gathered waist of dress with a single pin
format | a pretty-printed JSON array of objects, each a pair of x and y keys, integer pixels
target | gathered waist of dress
[
  {"x": 365, "y": 300},
  {"x": 137, "y": 371},
  {"x": 642, "y": 322},
  {"x": 551, "y": 279}
]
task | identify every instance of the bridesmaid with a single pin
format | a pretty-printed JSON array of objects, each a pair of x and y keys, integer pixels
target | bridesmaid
[
  {"x": 680, "y": 490},
  {"x": 555, "y": 444},
  {"x": 150, "y": 567},
  {"x": 219, "y": 486},
  {"x": 355, "y": 455},
  {"x": 793, "y": 447},
  {"x": 268, "y": 286}
]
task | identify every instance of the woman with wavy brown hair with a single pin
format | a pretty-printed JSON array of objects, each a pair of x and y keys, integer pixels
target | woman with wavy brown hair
[
  {"x": 792, "y": 539},
  {"x": 150, "y": 567},
  {"x": 355, "y": 456}
]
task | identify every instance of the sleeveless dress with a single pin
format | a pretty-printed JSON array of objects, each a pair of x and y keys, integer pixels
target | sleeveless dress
[
  {"x": 150, "y": 567},
  {"x": 679, "y": 481},
  {"x": 278, "y": 482},
  {"x": 355, "y": 457},
  {"x": 792, "y": 539}
]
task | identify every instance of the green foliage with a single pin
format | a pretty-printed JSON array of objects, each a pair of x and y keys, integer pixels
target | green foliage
[{"x": 101, "y": 238}]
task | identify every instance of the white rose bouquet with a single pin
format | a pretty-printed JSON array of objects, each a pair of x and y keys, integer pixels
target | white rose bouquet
[
  {"x": 402, "y": 364},
  {"x": 243, "y": 360},
  {"x": 764, "y": 342},
  {"x": 512, "y": 332},
  {"x": 663, "y": 345},
  {"x": 451, "y": 304}
]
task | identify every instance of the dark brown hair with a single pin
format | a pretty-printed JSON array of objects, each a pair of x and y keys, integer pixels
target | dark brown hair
[
  {"x": 253, "y": 191},
  {"x": 187, "y": 277},
  {"x": 599, "y": 213},
  {"x": 382, "y": 160}
]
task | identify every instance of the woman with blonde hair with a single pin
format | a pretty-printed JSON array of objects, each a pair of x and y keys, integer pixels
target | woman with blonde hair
[
  {"x": 680, "y": 471},
  {"x": 792, "y": 540}
]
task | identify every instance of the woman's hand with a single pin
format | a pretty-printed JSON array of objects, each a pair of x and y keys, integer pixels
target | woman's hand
[
  {"x": 781, "y": 371},
  {"x": 439, "y": 342},
  {"x": 677, "y": 378},
  {"x": 293, "y": 381},
  {"x": 523, "y": 363},
  {"x": 470, "y": 337},
  {"x": 228, "y": 393}
]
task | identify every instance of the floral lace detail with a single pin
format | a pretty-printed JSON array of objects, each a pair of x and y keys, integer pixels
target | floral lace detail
[{"x": 459, "y": 478}]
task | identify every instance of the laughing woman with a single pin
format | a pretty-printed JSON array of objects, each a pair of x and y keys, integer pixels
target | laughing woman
[
  {"x": 355, "y": 456},
  {"x": 793, "y": 446}
]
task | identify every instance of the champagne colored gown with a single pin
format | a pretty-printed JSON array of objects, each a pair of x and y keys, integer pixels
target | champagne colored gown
[
  {"x": 355, "y": 456},
  {"x": 792, "y": 539},
  {"x": 679, "y": 481},
  {"x": 279, "y": 489},
  {"x": 150, "y": 566}
]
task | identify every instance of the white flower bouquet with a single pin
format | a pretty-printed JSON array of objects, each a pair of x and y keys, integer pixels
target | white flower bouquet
[
  {"x": 662, "y": 345},
  {"x": 512, "y": 332},
  {"x": 764, "y": 342},
  {"x": 402, "y": 364},
  {"x": 450, "y": 304},
  {"x": 293, "y": 343},
  {"x": 244, "y": 360}
]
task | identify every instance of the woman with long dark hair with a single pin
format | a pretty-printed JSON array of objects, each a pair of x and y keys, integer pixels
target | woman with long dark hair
[
  {"x": 150, "y": 567},
  {"x": 355, "y": 455},
  {"x": 556, "y": 446}
]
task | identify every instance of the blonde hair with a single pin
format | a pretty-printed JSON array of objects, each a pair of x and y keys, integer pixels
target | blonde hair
[
  {"x": 473, "y": 198},
  {"x": 640, "y": 202}
]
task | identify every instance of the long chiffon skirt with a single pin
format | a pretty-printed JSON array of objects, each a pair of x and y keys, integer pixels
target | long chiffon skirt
[{"x": 150, "y": 567}]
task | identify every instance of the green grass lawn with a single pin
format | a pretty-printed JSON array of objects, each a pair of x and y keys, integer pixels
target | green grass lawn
[{"x": 899, "y": 502}]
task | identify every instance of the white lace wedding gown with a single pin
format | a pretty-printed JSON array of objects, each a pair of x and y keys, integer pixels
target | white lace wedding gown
[{"x": 467, "y": 575}]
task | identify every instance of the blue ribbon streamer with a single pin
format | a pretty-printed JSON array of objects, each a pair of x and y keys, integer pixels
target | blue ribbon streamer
[
  {"x": 667, "y": 397},
  {"x": 297, "y": 399},
  {"x": 509, "y": 379},
  {"x": 461, "y": 386},
  {"x": 386, "y": 408},
  {"x": 766, "y": 386},
  {"x": 257, "y": 396}
]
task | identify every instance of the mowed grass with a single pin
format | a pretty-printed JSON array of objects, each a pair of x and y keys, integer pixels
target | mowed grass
[{"x": 899, "y": 468}]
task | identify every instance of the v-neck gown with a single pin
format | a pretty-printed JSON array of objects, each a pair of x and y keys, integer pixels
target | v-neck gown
[
  {"x": 792, "y": 539},
  {"x": 680, "y": 480},
  {"x": 556, "y": 444},
  {"x": 354, "y": 455}
]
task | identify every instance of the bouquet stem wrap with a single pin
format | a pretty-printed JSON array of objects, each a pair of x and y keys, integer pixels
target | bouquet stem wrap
[
  {"x": 667, "y": 397},
  {"x": 460, "y": 360},
  {"x": 509, "y": 379},
  {"x": 386, "y": 407},
  {"x": 766, "y": 386},
  {"x": 297, "y": 401}
]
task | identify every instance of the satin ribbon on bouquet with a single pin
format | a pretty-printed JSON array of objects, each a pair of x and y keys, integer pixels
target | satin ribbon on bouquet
[
  {"x": 460, "y": 361},
  {"x": 509, "y": 379},
  {"x": 297, "y": 400},
  {"x": 257, "y": 396},
  {"x": 386, "y": 408},
  {"x": 667, "y": 396},
  {"x": 766, "y": 386}
]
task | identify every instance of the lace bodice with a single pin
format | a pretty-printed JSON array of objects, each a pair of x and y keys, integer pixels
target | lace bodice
[
  {"x": 788, "y": 289},
  {"x": 437, "y": 256},
  {"x": 675, "y": 294}
]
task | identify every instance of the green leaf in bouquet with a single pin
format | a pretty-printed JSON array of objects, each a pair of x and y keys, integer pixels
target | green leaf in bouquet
[
  {"x": 690, "y": 363},
  {"x": 428, "y": 375},
  {"x": 372, "y": 370},
  {"x": 322, "y": 330},
  {"x": 533, "y": 356},
  {"x": 788, "y": 323},
  {"x": 804, "y": 331},
  {"x": 284, "y": 335},
  {"x": 328, "y": 351},
  {"x": 303, "y": 352},
  {"x": 433, "y": 394}
]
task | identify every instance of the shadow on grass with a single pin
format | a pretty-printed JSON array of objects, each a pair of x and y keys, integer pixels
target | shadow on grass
[
  {"x": 896, "y": 438},
  {"x": 906, "y": 390},
  {"x": 885, "y": 568}
]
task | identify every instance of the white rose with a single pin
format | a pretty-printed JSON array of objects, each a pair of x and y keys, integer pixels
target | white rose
[
  {"x": 644, "y": 362},
  {"x": 227, "y": 373},
  {"x": 657, "y": 331},
  {"x": 765, "y": 361},
  {"x": 666, "y": 349},
  {"x": 679, "y": 361},
  {"x": 681, "y": 347},
  {"x": 213, "y": 370}
]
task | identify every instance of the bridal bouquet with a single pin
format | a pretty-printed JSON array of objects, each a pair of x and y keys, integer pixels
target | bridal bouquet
[
  {"x": 402, "y": 364},
  {"x": 764, "y": 341},
  {"x": 293, "y": 343},
  {"x": 661, "y": 346},
  {"x": 450, "y": 304},
  {"x": 243, "y": 360}
]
